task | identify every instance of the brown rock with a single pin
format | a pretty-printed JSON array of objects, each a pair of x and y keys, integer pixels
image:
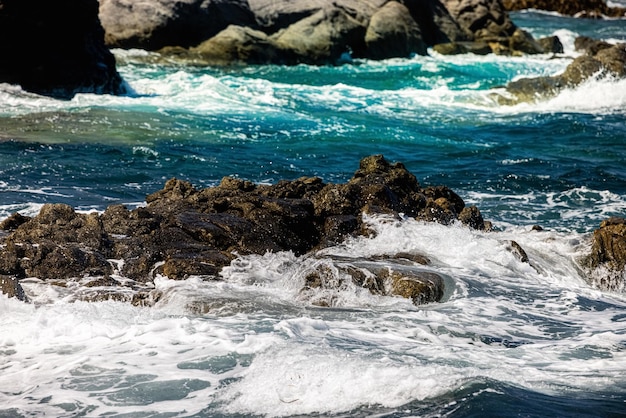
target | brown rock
[
  {"x": 11, "y": 287},
  {"x": 606, "y": 264}
]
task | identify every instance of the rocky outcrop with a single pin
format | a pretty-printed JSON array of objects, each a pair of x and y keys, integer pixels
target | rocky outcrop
[
  {"x": 578, "y": 8},
  {"x": 56, "y": 48},
  {"x": 606, "y": 264},
  {"x": 184, "y": 231},
  {"x": 600, "y": 59},
  {"x": 155, "y": 24},
  {"x": 313, "y": 32}
]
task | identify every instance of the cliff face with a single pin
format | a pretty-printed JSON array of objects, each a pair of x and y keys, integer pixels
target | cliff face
[{"x": 56, "y": 48}]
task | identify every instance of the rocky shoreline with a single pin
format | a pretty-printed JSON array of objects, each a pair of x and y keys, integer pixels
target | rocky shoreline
[
  {"x": 74, "y": 58},
  {"x": 183, "y": 232}
]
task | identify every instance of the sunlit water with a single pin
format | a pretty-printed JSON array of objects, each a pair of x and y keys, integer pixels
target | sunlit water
[{"x": 509, "y": 339}]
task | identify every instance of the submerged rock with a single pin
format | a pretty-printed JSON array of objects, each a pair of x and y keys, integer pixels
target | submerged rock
[
  {"x": 606, "y": 264},
  {"x": 385, "y": 276},
  {"x": 184, "y": 231},
  {"x": 56, "y": 48}
]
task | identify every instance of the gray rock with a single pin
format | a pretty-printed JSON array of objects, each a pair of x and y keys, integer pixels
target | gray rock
[
  {"x": 605, "y": 265},
  {"x": 392, "y": 32},
  {"x": 155, "y": 24},
  {"x": 324, "y": 37}
]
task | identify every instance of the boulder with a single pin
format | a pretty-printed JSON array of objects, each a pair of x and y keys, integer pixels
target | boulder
[
  {"x": 272, "y": 16},
  {"x": 551, "y": 44},
  {"x": 326, "y": 37},
  {"x": 240, "y": 45},
  {"x": 435, "y": 22},
  {"x": 184, "y": 231},
  {"x": 606, "y": 264},
  {"x": 56, "y": 49},
  {"x": 392, "y": 32},
  {"x": 579, "y": 8},
  {"x": 155, "y": 24}
]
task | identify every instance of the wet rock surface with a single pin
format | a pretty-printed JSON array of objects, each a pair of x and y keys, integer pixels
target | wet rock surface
[
  {"x": 183, "y": 231},
  {"x": 599, "y": 60},
  {"x": 605, "y": 266}
]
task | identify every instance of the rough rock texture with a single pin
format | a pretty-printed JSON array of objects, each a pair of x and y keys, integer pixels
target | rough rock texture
[
  {"x": 316, "y": 32},
  {"x": 601, "y": 60},
  {"x": 56, "y": 48},
  {"x": 11, "y": 287},
  {"x": 481, "y": 19},
  {"x": 155, "y": 24},
  {"x": 606, "y": 264},
  {"x": 184, "y": 231},
  {"x": 580, "y": 8}
]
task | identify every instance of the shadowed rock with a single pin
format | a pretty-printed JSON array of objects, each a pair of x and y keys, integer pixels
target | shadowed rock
[
  {"x": 56, "y": 48},
  {"x": 392, "y": 32}
]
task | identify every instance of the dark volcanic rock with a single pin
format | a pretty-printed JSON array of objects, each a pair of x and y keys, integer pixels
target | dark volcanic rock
[
  {"x": 184, "y": 231},
  {"x": 580, "y": 8},
  {"x": 606, "y": 264},
  {"x": 56, "y": 48}
]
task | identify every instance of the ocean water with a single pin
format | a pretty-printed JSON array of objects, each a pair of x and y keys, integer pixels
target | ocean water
[{"x": 509, "y": 339}]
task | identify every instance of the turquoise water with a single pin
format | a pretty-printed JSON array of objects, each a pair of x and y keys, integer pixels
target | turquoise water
[{"x": 510, "y": 339}]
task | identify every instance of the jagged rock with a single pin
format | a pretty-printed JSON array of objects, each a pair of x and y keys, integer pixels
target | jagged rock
[
  {"x": 605, "y": 61},
  {"x": 184, "y": 231},
  {"x": 481, "y": 19},
  {"x": 11, "y": 287},
  {"x": 579, "y": 8},
  {"x": 155, "y": 24},
  {"x": 56, "y": 49},
  {"x": 606, "y": 264},
  {"x": 386, "y": 278},
  {"x": 392, "y": 32}
]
